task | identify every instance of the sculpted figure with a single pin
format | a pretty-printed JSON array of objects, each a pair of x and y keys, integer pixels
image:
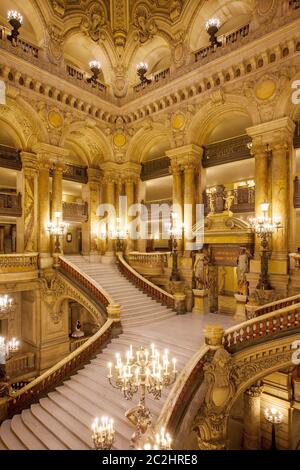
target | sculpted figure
[
  {"x": 229, "y": 200},
  {"x": 242, "y": 270},
  {"x": 201, "y": 270}
]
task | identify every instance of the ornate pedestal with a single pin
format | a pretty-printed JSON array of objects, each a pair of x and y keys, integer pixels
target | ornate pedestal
[
  {"x": 240, "y": 312},
  {"x": 180, "y": 303},
  {"x": 201, "y": 304}
]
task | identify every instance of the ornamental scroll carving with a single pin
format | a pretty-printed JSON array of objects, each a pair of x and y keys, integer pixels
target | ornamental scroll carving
[
  {"x": 95, "y": 22},
  {"x": 54, "y": 45},
  {"x": 146, "y": 27},
  {"x": 56, "y": 289}
]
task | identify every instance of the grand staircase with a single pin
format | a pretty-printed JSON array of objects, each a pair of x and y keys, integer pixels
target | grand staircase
[{"x": 63, "y": 419}]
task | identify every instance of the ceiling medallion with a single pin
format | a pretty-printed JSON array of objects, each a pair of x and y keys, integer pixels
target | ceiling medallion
[
  {"x": 265, "y": 89},
  {"x": 119, "y": 140},
  {"x": 55, "y": 119},
  {"x": 178, "y": 121}
]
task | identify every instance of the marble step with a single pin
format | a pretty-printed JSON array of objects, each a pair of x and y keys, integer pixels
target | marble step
[
  {"x": 41, "y": 432},
  {"x": 30, "y": 441},
  {"x": 9, "y": 438}
]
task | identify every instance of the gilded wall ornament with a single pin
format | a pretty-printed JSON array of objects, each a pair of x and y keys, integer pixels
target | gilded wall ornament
[
  {"x": 93, "y": 25},
  {"x": 146, "y": 27},
  {"x": 54, "y": 45}
]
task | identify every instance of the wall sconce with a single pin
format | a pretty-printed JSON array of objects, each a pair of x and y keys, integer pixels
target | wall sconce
[
  {"x": 95, "y": 67},
  {"x": 212, "y": 27},
  {"x": 15, "y": 20},
  {"x": 142, "y": 69}
]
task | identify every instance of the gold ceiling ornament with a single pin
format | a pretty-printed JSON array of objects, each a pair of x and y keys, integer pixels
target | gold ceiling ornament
[
  {"x": 55, "y": 119},
  {"x": 265, "y": 89},
  {"x": 178, "y": 121},
  {"x": 119, "y": 140}
]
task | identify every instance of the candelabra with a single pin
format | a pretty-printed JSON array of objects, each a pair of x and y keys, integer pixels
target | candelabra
[
  {"x": 142, "y": 69},
  {"x": 176, "y": 233},
  {"x": 8, "y": 348},
  {"x": 95, "y": 67},
  {"x": 57, "y": 229},
  {"x": 15, "y": 20},
  {"x": 103, "y": 433},
  {"x": 264, "y": 227},
  {"x": 119, "y": 234},
  {"x": 212, "y": 27},
  {"x": 7, "y": 306},
  {"x": 275, "y": 417},
  {"x": 145, "y": 372},
  {"x": 161, "y": 441}
]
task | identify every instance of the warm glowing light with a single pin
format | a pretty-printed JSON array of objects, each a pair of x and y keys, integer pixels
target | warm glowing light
[
  {"x": 15, "y": 15},
  {"x": 95, "y": 64},
  {"x": 142, "y": 66},
  {"x": 273, "y": 415},
  {"x": 264, "y": 206},
  {"x": 103, "y": 433},
  {"x": 213, "y": 22}
]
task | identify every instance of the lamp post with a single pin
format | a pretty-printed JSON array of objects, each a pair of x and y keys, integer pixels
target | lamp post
[
  {"x": 15, "y": 20},
  {"x": 275, "y": 417},
  {"x": 57, "y": 230},
  {"x": 142, "y": 69},
  {"x": 264, "y": 227},
  {"x": 143, "y": 372},
  {"x": 176, "y": 233},
  {"x": 103, "y": 433},
  {"x": 95, "y": 67},
  {"x": 212, "y": 27},
  {"x": 119, "y": 234}
]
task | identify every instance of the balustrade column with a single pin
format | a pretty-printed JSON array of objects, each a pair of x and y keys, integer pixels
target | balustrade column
[
  {"x": 27, "y": 183},
  {"x": 189, "y": 203},
  {"x": 129, "y": 189},
  {"x": 251, "y": 438}
]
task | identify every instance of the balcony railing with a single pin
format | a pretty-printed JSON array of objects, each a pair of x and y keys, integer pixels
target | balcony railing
[
  {"x": 23, "y": 45},
  {"x": 74, "y": 212},
  {"x": 18, "y": 263},
  {"x": 224, "y": 41},
  {"x": 79, "y": 75},
  {"x": 20, "y": 364},
  {"x": 294, "y": 4},
  {"x": 157, "y": 77},
  {"x": 10, "y": 158},
  {"x": 296, "y": 193},
  {"x": 244, "y": 200},
  {"x": 10, "y": 205}
]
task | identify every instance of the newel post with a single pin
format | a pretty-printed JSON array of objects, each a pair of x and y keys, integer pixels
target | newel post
[{"x": 211, "y": 422}]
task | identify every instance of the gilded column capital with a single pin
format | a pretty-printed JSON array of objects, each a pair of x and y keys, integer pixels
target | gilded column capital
[
  {"x": 94, "y": 175},
  {"x": 254, "y": 391},
  {"x": 44, "y": 163},
  {"x": 29, "y": 163}
]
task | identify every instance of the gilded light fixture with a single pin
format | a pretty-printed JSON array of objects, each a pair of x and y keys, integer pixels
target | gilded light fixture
[
  {"x": 57, "y": 229},
  {"x": 7, "y": 306},
  {"x": 142, "y": 69},
  {"x": 212, "y": 27},
  {"x": 95, "y": 67},
  {"x": 15, "y": 20},
  {"x": 264, "y": 227},
  {"x": 103, "y": 433},
  {"x": 275, "y": 417}
]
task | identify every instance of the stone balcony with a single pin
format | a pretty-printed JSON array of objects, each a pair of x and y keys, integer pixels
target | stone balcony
[
  {"x": 18, "y": 267},
  {"x": 10, "y": 205},
  {"x": 75, "y": 212}
]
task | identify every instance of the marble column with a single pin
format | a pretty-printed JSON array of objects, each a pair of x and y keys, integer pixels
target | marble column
[
  {"x": 110, "y": 199},
  {"x": 281, "y": 187},
  {"x": 178, "y": 196},
  {"x": 261, "y": 183},
  {"x": 57, "y": 192},
  {"x": 44, "y": 214},
  {"x": 27, "y": 185},
  {"x": 90, "y": 229},
  {"x": 252, "y": 418},
  {"x": 130, "y": 194},
  {"x": 189, "y": 203}
]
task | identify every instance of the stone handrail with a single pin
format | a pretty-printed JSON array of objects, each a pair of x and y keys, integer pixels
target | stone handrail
[
  {"x": 143, "y": 284},
  {"x": 85, "y": 282},
  {"x": 284, "y": 319},
  {"x": 155, "y": 258},
  {"x": 16, "y": 262},
  {"x": 272, "y": 306},
  {"x": 24, "y": 397},
  {"x": 188, "y": 380}
]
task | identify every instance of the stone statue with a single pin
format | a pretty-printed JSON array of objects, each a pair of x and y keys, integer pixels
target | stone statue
[
  {"x": 77, "y": 333},
  {"x": 212, "y": 205},
  {"x": 201, "y": 270},
  {"x": 242, "y": 270},
  {"x": 229, "y": 200}
]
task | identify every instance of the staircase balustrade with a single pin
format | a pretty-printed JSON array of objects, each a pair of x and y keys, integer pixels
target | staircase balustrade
[
  {"x": 31, "y": 393},
  {"x": 85, "y": 282},
  {"x": 144, "y": 285},
  {"x": 272, "y": 306},
  {"x": 149, "y": 259},
  {"x": 18, "y": 263}
]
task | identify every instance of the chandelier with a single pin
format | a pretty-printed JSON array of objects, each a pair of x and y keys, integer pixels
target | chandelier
[
  {"x": 57, "y": 230},
  {"x": 275, "y": 418},
  {"x": 146, "y": 372},
  {"x": 161, "y": 441},
  {"x": 7, "y": 306},
  {"x": 7, "y": 348},
  {"x": 15, "y": 20},
  {"x": 103, "y": 433}
]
